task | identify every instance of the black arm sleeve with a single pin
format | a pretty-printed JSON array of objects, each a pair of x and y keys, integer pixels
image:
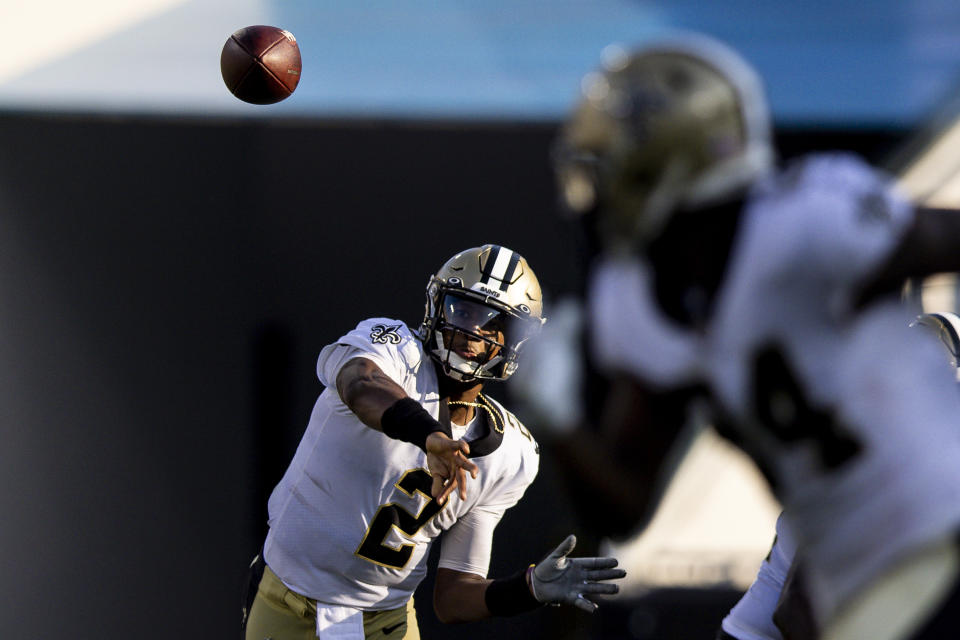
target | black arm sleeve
[
  {"x": 510, "y": 596},
  {"x": 931, "y": 245},
  {"x": 407, "y": 420}
]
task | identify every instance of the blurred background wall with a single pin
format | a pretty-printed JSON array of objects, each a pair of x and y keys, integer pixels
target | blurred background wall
[{"x": 172, "y": 260}]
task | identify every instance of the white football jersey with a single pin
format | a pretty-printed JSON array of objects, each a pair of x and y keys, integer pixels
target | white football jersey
[
  {"x": 352, "y": 519},
  {"x": 851, "y": 414}
]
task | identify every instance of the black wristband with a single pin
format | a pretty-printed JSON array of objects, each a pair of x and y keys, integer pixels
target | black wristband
[
  {"x": 510, "y": 596},
  {"x": 407, "y": 420}
]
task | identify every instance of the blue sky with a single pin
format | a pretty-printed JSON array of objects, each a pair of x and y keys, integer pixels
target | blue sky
[{"x": 841, "y": 62}]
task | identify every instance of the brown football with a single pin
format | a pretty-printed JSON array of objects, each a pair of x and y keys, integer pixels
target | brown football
[{"x": 261, "y": 64}]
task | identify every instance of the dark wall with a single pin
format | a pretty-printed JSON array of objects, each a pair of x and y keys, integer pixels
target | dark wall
[{"x": 165, "y": 286}]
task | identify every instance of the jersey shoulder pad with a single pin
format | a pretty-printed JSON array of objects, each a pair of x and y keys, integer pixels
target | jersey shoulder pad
[
  {"x": 826, "y": 185},
  {"x": 385, "y": 335},
  {"x": 381, "y": 331},
  {"x": 386, "y": 341},
  {"x": 832, "y": 217}
]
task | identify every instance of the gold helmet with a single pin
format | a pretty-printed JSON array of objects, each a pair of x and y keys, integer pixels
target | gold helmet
[
  {"x": 676, "y": 124},
  {"x": 482, "y": 306}
]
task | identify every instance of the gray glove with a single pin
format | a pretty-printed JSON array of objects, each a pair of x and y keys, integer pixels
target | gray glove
[{"x": 561, "y": 580}]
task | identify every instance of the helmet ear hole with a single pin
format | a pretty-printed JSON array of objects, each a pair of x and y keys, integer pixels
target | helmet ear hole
[{"x": 678, "y": 80}]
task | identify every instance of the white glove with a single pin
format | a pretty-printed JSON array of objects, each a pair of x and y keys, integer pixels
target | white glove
[
  {"x": 549, "y": 380},
  {"x": 562, "y": 580}
]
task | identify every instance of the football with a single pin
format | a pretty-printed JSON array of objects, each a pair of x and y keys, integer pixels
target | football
[{"x": 261, "y": 64}]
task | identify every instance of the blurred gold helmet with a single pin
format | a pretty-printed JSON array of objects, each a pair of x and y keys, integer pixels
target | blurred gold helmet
[
  {"x": 676, "y": 124},
  {"x": 482, "y": 306}
]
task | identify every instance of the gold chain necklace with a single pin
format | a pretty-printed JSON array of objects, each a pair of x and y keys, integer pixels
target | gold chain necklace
[{"x": 483, "y": 404}]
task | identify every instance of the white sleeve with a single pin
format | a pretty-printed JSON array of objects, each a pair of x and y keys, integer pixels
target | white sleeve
[
  {"x": 467, "y": 544},
  {"x": 752, "y": 617},
  {"x": 332, "y": 359},
  {"x": 365, "y": 341},
  {"x": 850, "y": 216}
]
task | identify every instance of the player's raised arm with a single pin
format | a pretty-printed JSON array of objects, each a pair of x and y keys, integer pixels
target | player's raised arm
[
  {"x": 381, "y": 404},
  {"x": 930, "y": 245},
  {"x": 368, "y": 391}
]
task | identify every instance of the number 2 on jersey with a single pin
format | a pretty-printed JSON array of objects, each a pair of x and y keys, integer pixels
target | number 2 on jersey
[{"x": 389, "y": 516}]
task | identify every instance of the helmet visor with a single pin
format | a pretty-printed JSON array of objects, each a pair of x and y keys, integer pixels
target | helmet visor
[{"x": 495, "y": 327}]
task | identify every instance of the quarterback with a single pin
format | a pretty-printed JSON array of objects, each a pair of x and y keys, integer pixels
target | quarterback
[
  {"x": 772, "y": 296},
  {"x": 402, "y": 446}
]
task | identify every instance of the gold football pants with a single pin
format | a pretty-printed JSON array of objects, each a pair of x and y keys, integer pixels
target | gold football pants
[
  {"x": 281, "y": 614},
  {"x": 898, "y": 604}
]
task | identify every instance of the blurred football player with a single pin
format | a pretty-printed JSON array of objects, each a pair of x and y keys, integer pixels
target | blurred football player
[
  {"x": 773, "y": 296},
  {"x": 381, "y": 472},
  {"x": 775, "y": 607}
]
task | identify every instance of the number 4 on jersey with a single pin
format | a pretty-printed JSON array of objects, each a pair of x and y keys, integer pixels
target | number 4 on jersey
[{"x": 782, "y": 406}]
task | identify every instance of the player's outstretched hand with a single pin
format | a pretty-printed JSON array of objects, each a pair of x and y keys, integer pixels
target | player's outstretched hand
[
  {"x": 448, "y": 464},
  {"x": 562, "y": 580}
]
